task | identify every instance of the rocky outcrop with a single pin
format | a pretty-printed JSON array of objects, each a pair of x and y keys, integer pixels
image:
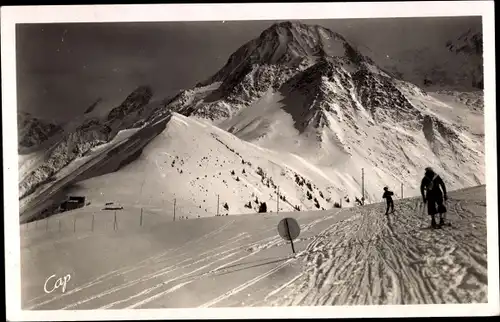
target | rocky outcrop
[{"x": 33, "y": 131}]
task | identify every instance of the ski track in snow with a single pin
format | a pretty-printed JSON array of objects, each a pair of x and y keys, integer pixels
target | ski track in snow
[
  {"x": 363, "y": 258},
  {"x": 395, "y": 261}
]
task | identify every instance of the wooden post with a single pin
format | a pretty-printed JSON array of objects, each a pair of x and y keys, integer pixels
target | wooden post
[
  {"x": 93, "y": 215},
  {"x": 74, "y": 225},
  {"x": 401, "y": 190},
  {"x": 59, "y": 225},
  {"x": 36, "y": 224},
  {"x": 175, "y": 200},
  {"x": 278, "y": 201},
  {"x": 218, "y": 205},
  {"x": 115, "y": 225},
  {"x": 47, "y": 225},
  {"x": 363, "y": 186},
  {"x": 340, "y": 203},
  {"x": 141, "y": 218},
  {"x": 289, "y": 236}
]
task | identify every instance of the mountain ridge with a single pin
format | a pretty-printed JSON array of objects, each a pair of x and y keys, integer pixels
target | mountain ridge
[{"x": 87, "y": 134}]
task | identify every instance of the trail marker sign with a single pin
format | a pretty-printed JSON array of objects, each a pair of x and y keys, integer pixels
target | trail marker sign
[{"x": 289, "y": 229}]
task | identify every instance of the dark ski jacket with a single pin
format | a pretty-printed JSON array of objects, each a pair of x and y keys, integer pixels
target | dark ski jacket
[
  {"x": 432, "y": 186},
  {"x": 388, "y": 195}
]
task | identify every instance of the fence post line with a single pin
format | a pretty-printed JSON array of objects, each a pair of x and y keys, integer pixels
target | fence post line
[
  {"x": 141, "y": 218},
  {"x": 114, "y": 224},
  {"x": 36, "y": 224},
  {"x": 401, "y": 190},
  {"x": 74, "y": 225},
  {"x": 47, "y": 225},
  {"x": 59, "y": 225},
  {"x": 175, "y": 200},
  {"x": 218, "y": 205},
  {"x": 340, "y": 203},
  {"x": 93, "y": 215}
]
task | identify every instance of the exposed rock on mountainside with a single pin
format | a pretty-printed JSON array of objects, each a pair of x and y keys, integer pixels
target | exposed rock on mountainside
[
  {"x": 32, "y": 131},
  {"x": 281, "y": 51},
  {"x": 131, "y": 110}
]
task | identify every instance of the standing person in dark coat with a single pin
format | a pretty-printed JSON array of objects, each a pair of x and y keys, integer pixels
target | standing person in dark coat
[
  {"x": 388, "y": 197},
  {"x": 433, "y": 192}
]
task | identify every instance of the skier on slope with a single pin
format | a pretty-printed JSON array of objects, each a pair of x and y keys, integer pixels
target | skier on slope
[
  {"x": 430, "y": 188},
  {"x": 388, "y": 197}
]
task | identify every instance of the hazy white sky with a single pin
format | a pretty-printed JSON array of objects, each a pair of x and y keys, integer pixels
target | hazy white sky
[{"x": 64, "y": 68}]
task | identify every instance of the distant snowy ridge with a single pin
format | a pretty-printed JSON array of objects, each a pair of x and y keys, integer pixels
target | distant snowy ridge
[{"x": 91, "y": 132}]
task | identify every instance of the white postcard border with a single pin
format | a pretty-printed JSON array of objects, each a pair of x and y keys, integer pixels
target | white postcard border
[{"x": 219, "y": 12}]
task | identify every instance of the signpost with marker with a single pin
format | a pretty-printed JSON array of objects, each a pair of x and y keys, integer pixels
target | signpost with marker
[{"x": 289, "y": 229}]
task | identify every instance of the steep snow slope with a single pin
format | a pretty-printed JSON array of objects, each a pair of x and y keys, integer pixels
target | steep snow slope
[
  {"x": 344, "y": 257},
  {"x": 194, "y": 161}
]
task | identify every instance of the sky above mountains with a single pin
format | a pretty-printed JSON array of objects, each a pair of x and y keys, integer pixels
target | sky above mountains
[{"x": 63, "y": 68}]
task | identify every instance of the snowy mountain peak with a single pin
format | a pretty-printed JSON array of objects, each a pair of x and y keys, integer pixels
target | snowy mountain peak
[
  {"x": 292, "y": 41},
  {"x": 279, "y": 55},
  {"x": 291, "y": 44}
]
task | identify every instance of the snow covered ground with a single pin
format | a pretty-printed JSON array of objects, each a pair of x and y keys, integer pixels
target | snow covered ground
[{"x": 344, "y": 256}]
